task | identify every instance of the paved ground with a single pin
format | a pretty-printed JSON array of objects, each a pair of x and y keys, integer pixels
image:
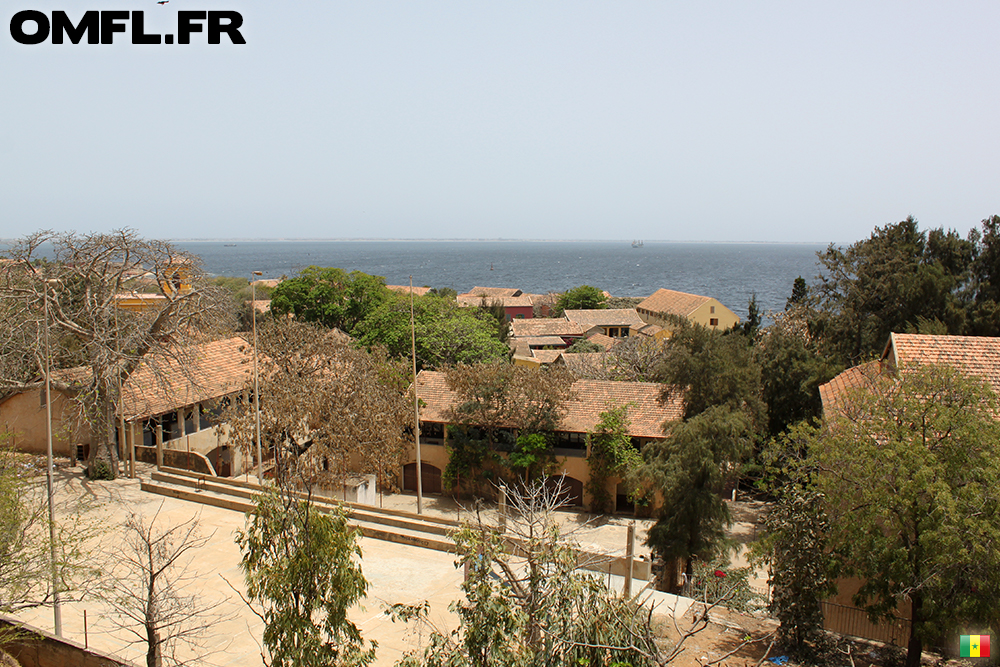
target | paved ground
[{"x": 396, "y": 573}]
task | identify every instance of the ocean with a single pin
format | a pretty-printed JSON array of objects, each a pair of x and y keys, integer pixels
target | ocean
[{"x": 730, "y": 272}]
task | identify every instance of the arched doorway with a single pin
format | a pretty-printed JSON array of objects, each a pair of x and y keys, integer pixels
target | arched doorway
[
  {"x": 431, "y": 477},
  {"x": 572, "y": 489}
]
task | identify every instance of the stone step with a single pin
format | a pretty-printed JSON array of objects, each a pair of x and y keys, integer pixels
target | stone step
[
  {"x": 374, "y": 515},
  {"x": 226, "y": 500}
]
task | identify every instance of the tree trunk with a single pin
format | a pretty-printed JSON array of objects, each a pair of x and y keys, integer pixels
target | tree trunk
[
  {"x": 668, "y": 578},
  {"x": 103, "y": 461},
  {"x": 915, "y": 647},
  {"x": 154, "y": 656}
]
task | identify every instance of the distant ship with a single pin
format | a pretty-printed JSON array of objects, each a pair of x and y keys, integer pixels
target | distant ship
[
  {"x": 233, "y": 245},
  {"x": 636, "y": 244}
]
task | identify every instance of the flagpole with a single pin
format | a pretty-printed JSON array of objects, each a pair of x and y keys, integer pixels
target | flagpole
[{"x": 416, "y": 407}]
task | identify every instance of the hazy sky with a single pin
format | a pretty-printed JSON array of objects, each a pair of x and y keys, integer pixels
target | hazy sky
[{"x": 725, "y": 121}]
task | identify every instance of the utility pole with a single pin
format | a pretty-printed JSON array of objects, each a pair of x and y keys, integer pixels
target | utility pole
[
  {"x": 416, "y": 407},
  {"x": 256, "y": 384},
  {"x": 56, "y": 605}
]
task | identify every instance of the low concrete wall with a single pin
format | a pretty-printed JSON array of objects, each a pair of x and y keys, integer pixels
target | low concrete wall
[{"x": 37, "y": 648}]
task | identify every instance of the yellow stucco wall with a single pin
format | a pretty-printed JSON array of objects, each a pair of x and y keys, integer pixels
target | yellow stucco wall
[
  {"x": 22, "y": 416},
  {"x": 704, "y": 315},
  {"x": 573, "y": 466}
]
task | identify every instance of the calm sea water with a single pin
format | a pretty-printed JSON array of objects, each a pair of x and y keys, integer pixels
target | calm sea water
[{"x": 729, "y": 272}]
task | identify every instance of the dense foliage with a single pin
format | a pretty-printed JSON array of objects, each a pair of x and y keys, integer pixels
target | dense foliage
[
  {"x": 583, "y": 297},
  {"x": 446, "y": 334},
  {"x": 501, "y": 407},
  {"x": 902, "y": 278},
  {"x": 612, "y": 454},
  {"x": 301, "y": 567},
  {"x": 329, "y": 296},
  {"x": 720, "y": 388},
  {"x": 907, "y": 467}
]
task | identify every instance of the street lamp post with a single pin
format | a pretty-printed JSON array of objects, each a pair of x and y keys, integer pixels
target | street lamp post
[
  {"x": 416, "y": 407},
  {"x": 256, "y": 387},
  {"x": 56, "y": 605}
]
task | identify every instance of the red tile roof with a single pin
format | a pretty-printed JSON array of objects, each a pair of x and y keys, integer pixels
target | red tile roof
[
  {"x": 546, "y": 326},
  {"x": 834, "y": 391},
  {"x": 974, "y": 355},
  {"x": 540, "y": 341},
  {"x": 495, "y": 291},
  {"x": 473, "y": 300},
  {"x": 199, "y": 373},
  {"x": 604, "y": 341},
  {"x": 605, "y": 317},
  {"x": 670, "y": 301},
  {"x": 546, "y": 356},
  {"x": 591, "y": 397}
]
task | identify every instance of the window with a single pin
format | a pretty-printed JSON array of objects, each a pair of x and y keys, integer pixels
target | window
[
  {"x": 432, "y": 430},
  {"x": 711, "y": 309},
  {"x": 571, "y": 440},
  {"x": 624, "y": 332},
  {"x": 613, "y": 332},
  {"x": 713, "y": 322}
]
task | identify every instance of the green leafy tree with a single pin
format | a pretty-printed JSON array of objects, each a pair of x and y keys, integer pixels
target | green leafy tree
[
  {"x": 908, "y": 466},
  {"x": 985, "y": 288},
  {"x": 791, "y": 371},
  {"x": 496, "y": 404},
  {"x": 720, "y": 385},
  {"x": 885, "y": 283},
  {"x": 611, "y": 454},
  {"x": 301, "y": 567},
  {"x": 446, "y": 334},
  {"x": 532, "y": 455},
  {"x": 795, "y": 548},
  {"x": 583, "y": 345},
  {"x": 583, "y": 297},
  {"x": 709, "y": 369},
  {"x": 800, "y": 292},
  {"x": 329, "y": 296},
  {"x": 690, "y": 469},
  {"x": 751, "y": 326}
]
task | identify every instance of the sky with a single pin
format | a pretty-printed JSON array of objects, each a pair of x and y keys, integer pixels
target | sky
[{"x": 544, "y": 119}]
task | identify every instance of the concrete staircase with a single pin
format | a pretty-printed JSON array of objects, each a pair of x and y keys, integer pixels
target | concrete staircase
[
  {"x": 402, "y": 527},
  {"x": 381, "y": 524}
]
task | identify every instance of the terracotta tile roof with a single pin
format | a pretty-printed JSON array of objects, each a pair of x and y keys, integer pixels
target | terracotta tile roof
[
  {"x": 203, "y": 372},
  {"x": 546, "y": 356},
  {"x": 606, "y": 317},
  {"x": 834, "y": 391},
  {"x": 546, "y": 326},
  {"x": 474, "y": 300},
  {"x": 649, "y": 330},
  {"x": 495, "y": 291},
  {"x": 974, "y": 355},
  {"x": 405, "y": 289},
  {"x": 670, "y": 301},
  {"x": 602, "y": 340},
  {"x": 541, "y": 341},
  {"x": 591, "y": 397}
]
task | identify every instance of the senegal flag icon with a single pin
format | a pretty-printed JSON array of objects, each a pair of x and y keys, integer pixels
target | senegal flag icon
[{"x": 975, "y": 646}]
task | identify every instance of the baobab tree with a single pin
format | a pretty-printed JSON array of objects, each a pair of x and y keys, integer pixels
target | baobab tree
[{"x": 108, "y": 302}]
